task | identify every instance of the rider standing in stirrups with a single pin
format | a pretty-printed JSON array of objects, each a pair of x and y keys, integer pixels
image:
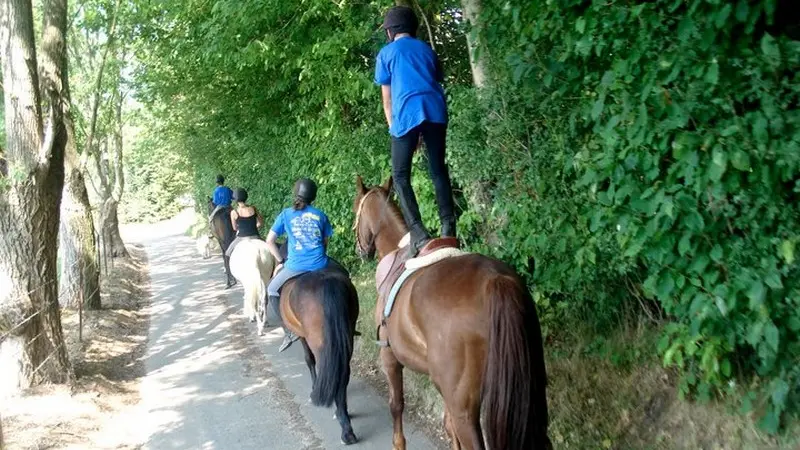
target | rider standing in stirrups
[
  {"x": 222, "y": 197},
  {"x": 308, "y": 230},
  {"x": 409, "y": 73}
]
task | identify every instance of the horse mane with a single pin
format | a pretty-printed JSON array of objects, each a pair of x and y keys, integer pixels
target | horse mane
[{"x": 392, "y": 210}]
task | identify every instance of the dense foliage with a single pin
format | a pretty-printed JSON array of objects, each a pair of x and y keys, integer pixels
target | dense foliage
[{"x": 645, "y": 155}]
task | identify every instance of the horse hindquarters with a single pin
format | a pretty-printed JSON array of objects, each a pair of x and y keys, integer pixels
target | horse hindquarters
[{"x": 514, "y": 384}]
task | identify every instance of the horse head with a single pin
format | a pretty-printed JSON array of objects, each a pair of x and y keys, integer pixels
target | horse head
[{"x": 375, "y": 212}]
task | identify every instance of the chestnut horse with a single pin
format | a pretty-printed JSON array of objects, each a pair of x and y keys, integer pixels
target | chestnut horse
[
  {"x": 321, "y": 308},
  {"x": 468, "y": 322}
]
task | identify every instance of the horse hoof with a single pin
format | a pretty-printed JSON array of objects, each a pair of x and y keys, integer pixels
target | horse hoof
[{"x": 349, "y": 438}]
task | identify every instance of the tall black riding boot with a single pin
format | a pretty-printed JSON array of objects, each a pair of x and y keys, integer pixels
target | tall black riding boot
[{"x": 448, "y": 227}]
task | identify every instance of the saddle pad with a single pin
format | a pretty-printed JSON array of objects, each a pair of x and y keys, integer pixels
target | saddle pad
[
  {"x": 434, "y": 257},
  {"x": 395, "y": 290}
]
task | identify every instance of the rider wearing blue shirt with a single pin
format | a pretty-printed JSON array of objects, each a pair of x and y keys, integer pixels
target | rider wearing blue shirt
[
  {"x": 222, "y": 197},
  {"x": 414, "y": 104},
  {"x": 308, "y": 230}
]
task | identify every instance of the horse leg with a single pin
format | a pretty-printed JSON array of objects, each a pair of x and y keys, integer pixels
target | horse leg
[
  {"x": 466, "y": 420},
  {"x": 227, "y": 261},
  {"x": 449, "y": 428},
  {"x": 348, "y": 437},
  {"x": 394, "y": 374},
  {"x": 311, "y": 361},
  {"x": 261, "y": 314}
]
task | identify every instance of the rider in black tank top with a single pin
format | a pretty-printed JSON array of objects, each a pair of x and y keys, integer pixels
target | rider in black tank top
[{"x": 247, "y": 226}]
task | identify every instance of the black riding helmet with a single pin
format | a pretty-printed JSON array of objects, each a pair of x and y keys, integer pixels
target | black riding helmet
[
  {"x": 305, "y": 190},
  {"x": 220, "y": 179},
  {"x": 240, "y": 195},
  {"x": 401, "y": 19}
]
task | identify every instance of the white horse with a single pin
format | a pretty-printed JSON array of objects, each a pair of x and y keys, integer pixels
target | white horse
[{"x": 252, "y": 264}]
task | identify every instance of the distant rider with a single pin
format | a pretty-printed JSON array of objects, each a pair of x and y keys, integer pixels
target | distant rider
[{"x": 221, "y": 198}]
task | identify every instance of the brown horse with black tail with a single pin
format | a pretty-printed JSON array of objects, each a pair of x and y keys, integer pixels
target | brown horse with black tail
[
  {"x": 321, "y": 307},
  {"x": 222, "y": 230},
  {"x": 468, "y": 322}
]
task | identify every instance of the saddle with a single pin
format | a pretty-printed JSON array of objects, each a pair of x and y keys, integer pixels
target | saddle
[{"x": 396, "y": 267}]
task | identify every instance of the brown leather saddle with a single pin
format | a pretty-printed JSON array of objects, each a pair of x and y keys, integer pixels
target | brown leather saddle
[{"x": 393, "y": 265}]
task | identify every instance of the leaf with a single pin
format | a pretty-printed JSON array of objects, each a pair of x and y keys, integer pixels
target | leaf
[
  {"x": 725, "y": 367},
  {"x": 760, "y": 132},
  {"x": 794, "y": 323},
  {"x": 665, "y": 286},
  {"x": 742, "y": 10},
  {"x": 740, "y": 160},
  {"x": 719, "y": 163},
  {"x": 769, "y": 47},
  {"x": 716, "y": 253},
  {"x": 730, "y": 130},
  {"x": 771, "y": 336},
  {"x": 773, "y": 280},
  {"x": 770, "y": 422},
  {"x": 721, "y": 305},
  {"x": 756, "y": 294},
  {"x": 722, "y": 15},
  {"x": 787, "y": 251},
  {"x": 685, "y": 28},
  {"x": 780, "y": 390},
  {"x": 597, "y": 109},
  {"x": 712, "y": 74},
  {"x": 685, "y": 244},
  {"x": 580, "y": 25},
  {"x": 608, "y": 78}
]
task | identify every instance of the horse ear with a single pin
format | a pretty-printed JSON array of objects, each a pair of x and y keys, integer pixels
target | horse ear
[
  {"x": 360, "y": 185},
  {"x": 388, "y": 184}
]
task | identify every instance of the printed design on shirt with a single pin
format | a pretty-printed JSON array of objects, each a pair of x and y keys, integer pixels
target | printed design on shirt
[{"x": 307, "y": 231}]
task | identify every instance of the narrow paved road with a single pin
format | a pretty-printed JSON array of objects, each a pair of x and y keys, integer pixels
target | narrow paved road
[{"x": 211, "y": 383}]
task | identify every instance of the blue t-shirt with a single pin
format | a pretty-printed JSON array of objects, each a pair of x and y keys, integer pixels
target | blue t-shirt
[
  {"x": 413, "y": 71},
  {"x": 222, "y": 196},
  {"x": 307, "y": 230}
]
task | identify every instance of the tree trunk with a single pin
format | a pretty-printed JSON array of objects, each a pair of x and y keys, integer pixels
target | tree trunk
[
  {"x": 80, "y": 271},
  {"x": 112, "y": 240},
  {"x": 31, "y": 340},
  {"x": 472, "y": 11}
]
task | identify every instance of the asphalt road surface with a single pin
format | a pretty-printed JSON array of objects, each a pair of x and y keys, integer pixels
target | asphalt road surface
[{"x": 211, "y": 383}]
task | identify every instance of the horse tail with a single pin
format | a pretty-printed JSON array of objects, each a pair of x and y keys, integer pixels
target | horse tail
[
  {"x": 513, "y": 391},
  {"x": 244, "y": 269},
  {"x": 333, "y": 367}
]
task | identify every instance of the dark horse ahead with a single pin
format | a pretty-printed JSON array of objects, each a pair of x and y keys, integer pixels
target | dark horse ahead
[
  {"x": 322, "y": 308},
  {"x": 222, "y": 229}
]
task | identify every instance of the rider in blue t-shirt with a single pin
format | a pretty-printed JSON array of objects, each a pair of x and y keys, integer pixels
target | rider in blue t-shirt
[
  {"x": 410, "y": 77},
  {"x": 222, "y": 197},
  {"x": 308, "y": 230}
]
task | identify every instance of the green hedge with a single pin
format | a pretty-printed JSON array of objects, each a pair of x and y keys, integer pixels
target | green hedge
[
  {"x": 624, "y": 154},
  {"x": 655, "y": 151}
]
